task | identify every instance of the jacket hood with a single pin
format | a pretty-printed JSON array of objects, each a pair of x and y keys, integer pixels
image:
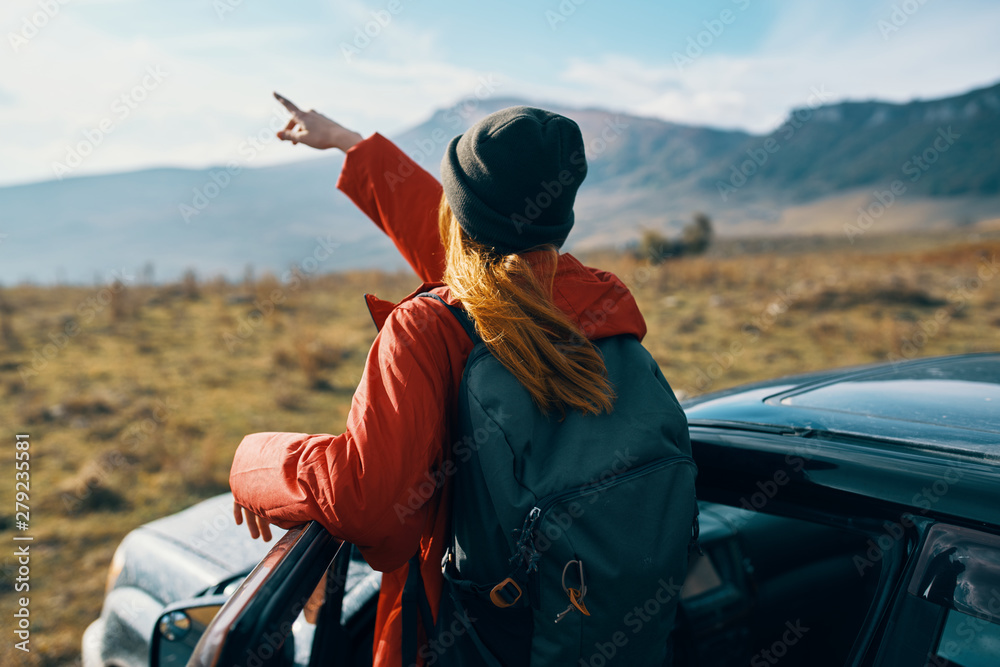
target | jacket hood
[{"x": 598, "y": 301}]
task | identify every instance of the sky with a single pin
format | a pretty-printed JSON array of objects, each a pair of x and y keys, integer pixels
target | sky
[{"x": 98, "y": 86}]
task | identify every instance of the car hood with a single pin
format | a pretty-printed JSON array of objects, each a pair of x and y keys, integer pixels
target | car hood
[
  {"x": 209, "y": 530},
  {"x": 184, "y": 554}
]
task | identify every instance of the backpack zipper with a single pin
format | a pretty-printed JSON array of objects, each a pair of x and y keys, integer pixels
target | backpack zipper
[{"x": 525, "y": 548}]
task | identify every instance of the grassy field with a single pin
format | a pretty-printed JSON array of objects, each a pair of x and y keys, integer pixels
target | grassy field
[{"x": 136, "y": 396}]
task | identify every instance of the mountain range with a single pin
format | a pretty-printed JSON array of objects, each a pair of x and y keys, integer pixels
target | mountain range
[{"x": 921, "y": 164}]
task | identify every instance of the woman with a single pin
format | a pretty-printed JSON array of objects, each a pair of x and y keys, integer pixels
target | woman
[{"x": 487, "y": 241}]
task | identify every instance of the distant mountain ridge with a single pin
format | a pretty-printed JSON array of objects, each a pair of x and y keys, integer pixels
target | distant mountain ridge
[{"x": 812, "y": 174}]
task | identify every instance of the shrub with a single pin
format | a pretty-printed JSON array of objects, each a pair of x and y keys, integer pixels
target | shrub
[{"x": 695, "y": 239}]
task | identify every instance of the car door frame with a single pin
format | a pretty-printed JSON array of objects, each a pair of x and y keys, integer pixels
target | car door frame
[
  {"x": 812, "y": 474},
  {"x": 257, "y": 619},
  {"x": 915, "y": 624}
]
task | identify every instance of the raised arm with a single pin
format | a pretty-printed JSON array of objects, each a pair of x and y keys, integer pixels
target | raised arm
[
  {"x": 394, "y": 191},
  {"x": 400, "y": 197}
]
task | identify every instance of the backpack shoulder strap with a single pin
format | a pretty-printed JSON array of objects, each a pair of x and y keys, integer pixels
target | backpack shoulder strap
[
  {"x": 414, "y": 602},
  {"x": 415, "y": 606},
  {"x": 460, "y": 315}
]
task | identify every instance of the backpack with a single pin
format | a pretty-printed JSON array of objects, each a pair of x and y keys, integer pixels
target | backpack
[{"x": 569, "y": 537}]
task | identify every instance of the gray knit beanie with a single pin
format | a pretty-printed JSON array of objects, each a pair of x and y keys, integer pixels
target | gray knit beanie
[{"x": 511, "y": 179}]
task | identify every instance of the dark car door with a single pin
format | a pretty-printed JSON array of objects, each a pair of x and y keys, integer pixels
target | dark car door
[
  {"x": 254, "y": 626},
  {"x": 948, "y": 612},
  {"x": 938, "y": 593}
]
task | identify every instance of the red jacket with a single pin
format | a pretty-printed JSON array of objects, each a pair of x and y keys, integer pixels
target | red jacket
[{"x": 375, "y": 485}]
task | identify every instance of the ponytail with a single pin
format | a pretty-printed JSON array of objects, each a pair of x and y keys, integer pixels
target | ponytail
[{"x": 515, "y": 316}]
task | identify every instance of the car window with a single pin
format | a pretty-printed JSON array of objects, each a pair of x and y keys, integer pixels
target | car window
[
  {"x": 304, "y": 626},
  {"x": 764, "y": 587},
  {"x": 969, "y": 641},
  {"x": 959, "y": 570}
]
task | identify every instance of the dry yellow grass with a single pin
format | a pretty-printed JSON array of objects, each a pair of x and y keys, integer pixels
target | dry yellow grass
[
  {"x": 137, "y": 396},
  {"x": 715, "y": 322}
]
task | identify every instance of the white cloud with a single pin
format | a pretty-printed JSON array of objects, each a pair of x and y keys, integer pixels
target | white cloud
[
  {"x": 220, "y": 75},
  {"x": 809, "y": 47},
  {"x": 216, "y": 92}
]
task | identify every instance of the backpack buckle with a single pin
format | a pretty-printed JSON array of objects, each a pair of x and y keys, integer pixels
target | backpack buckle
[
  {"x": 447, "y": 559},
  {"x": 506, "y": 593}
]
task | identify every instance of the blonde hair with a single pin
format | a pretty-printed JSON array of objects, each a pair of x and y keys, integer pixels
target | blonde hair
[{"x": 515, "y": 316}]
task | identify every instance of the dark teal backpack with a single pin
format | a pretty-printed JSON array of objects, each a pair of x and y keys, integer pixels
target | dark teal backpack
[{"x": 570, "y": 538}]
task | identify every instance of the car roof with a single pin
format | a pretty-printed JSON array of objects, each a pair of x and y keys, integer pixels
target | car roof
[{"x": 946, "y": 404}]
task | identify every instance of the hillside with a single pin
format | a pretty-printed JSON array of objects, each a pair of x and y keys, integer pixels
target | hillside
[
  {"x": 810, "y": 175},
  {"x": 941, "y": 148}
]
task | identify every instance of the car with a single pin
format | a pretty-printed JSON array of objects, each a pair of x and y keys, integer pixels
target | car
[{"x": 848, "y": 517}]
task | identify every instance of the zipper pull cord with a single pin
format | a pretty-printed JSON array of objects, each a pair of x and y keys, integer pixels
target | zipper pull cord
[
  {"x": 695, "y": 543},
  {"x": 525, "y": 551}
]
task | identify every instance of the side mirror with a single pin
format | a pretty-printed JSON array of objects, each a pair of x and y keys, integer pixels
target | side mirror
[{"x": 179, "y": 628}]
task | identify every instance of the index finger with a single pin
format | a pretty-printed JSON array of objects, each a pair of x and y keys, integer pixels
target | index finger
[{"x": 288, "y": 104}]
